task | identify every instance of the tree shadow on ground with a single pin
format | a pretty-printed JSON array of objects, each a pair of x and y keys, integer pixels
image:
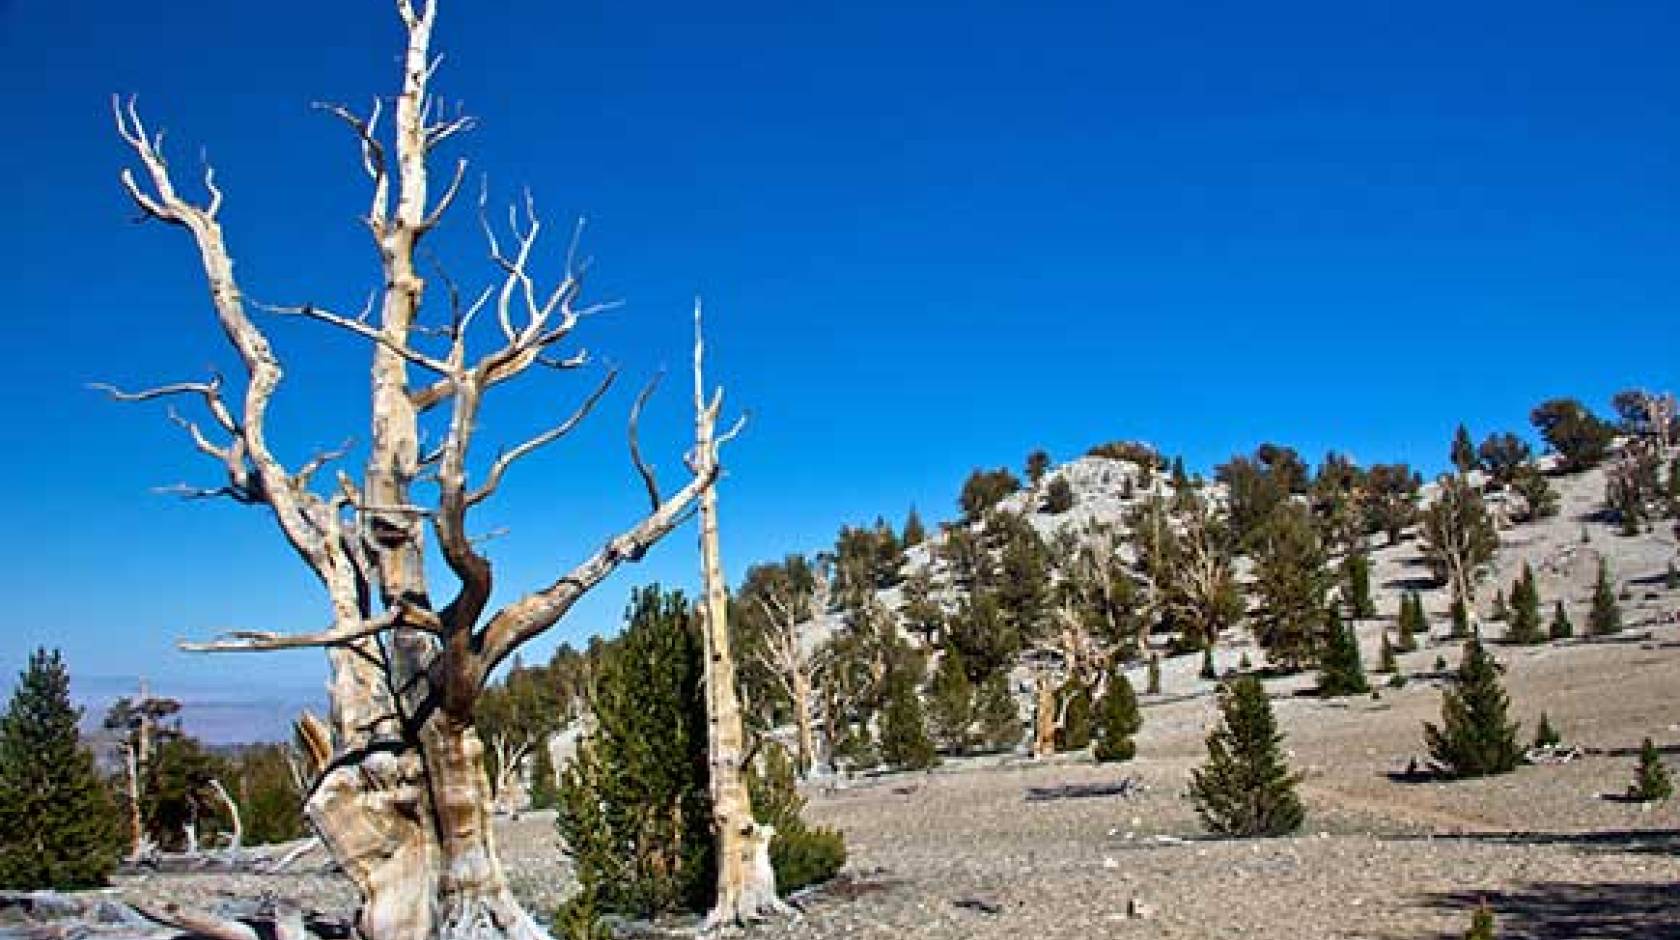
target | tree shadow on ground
[
  {"x": 1661, "y": 842},
  {"x": 1567, "y": 910}
]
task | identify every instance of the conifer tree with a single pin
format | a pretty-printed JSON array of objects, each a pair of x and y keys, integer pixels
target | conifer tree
[
  {"x": 1605, "y": 617},
  {"x": 1562, "y": 628},
  {"x": 1387, "y": 663},
  {"x": 1500, "y": 610},
  {"x": 1038, "y": 463},
  {"x": 58, "y": 826},
  {"x": 914, "y": 532},
  {"x": 545, "y": 788},
  {"x": 1545, "y": 735},
  {"x": 1245, "y": 788},
  {"x": 1340, "y": 670},
  {"x": 1075, "y": 731},
  {"x": 1460, "y": 620},
  {"x": 999, "y": 716},
  {"x": 1476, "y": 738},
  {"x": 904, "y": 739},
  {"x": 1153, "y": 683},
  {"x": 1411, "y": 622},
  {"x": 951, "y": 703},
  {"x": 1356, "y": 575},
  {"x": 1118, "y": 719},
  {"x": 1463, "y": 452},
  {"x": 1058, "y": 496},
  {"x": 635, "y": 804},
  {"x": 1208, "y": 671},
  {"x": 1651, "y": 780},
  {"x": 1290, "y": 582},
  {"x": 1671, "y": 578},
  {"x": 1525, "y": 609},
  {"x": 1481, "y": 924}
]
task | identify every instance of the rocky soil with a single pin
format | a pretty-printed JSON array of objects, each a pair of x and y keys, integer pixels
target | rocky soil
[{"x": 965, "y": 852}]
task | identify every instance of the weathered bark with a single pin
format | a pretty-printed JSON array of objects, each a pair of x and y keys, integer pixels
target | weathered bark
[
  {"x": 398, "y": 790},
  {"x": 746, "y": 882},
  {"x": 238, "y": 838},
  {"x": 786, "y": 657},
  {"x": 1044, "y": 718}
]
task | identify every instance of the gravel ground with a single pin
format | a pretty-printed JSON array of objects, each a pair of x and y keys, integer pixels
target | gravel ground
[{"x": 1379, "y": 858}]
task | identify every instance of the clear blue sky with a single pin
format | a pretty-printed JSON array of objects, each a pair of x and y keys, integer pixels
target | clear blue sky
[{"x": 930, "y": 236}]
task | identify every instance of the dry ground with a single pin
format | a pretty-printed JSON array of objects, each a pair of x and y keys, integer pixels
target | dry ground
[{"x": 1379, "y": 858}]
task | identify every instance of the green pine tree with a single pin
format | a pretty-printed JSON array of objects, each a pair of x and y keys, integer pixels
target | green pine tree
[
  {"x": 1412, "y": 622},
  {"x": 58, "y": 826},
  {"x": 1460, "y": 620},
  {"x": 800, "y": 854},
  {"x": 1605, "y": 617},
  {"x": 1245, "y": 788},
  {"x": 1476, "y": 738},
  {"x": 1074, "y": 699},
  {"x": 1671, "y": 578},
  {"x": 1500, "y": 610},
  {"x": 1651, "y": 780},
  {"x": 1525, "y": 609},
  {"x": 635, "y": 805},
  {"x": 950, "y": 703},
  {"x": 1118, "y": 719},
  {"x": 1058, "y": 496},
  {"x": 905, "y": 744},
  {"x": 1386, "y": 663},
  {"x": 999, "y": 716},
  {"x": 1481, "y": 924},
  {"x": 1153, "y": 684},
  {"x": 1463, "y": 451},
  {"x": 1562, "y": 628},
  {"x": 1208, "y": 671},
  {"x": 1545, "y": 735},
  {"x": 545, "y": 789},
  {"x": 1340, "y": 670},
  {"x": 914, "y": 532},
  {"x": 1356, "y": 575}
]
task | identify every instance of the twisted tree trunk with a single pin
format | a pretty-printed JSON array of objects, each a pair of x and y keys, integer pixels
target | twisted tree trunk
[{"x": 399, "y": 794}]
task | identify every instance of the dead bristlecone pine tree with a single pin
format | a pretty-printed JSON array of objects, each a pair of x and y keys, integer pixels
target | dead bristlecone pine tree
[
  {"x": 746, "y": 882},
  {"x": 400, "y": 796}
]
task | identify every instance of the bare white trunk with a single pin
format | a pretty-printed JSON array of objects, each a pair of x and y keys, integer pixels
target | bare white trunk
[{"x": 746, "y": 882}]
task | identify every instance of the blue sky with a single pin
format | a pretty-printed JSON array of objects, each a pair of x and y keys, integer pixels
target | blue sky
[{"x": 930, "y": 237}]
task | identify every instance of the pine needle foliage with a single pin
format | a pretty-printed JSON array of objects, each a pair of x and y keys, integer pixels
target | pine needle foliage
[
  {"x": 1605, "y": 618},
  {"x": 634, "y": 804},
  {"x": 1525, "y": 610},
  {"x": 1118, "y": 719},
  {"x": 1562, "y": 628},
  {"x": 1246, "y": 787},
  {"x": 1340, "y": 670},
  {"x": 1651, "y": 780},
  {"x": 1476, "y": 737},
  {"x": 58, "y": 826}
]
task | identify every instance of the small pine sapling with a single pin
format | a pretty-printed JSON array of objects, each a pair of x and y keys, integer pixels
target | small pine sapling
[
  {"x": 1546, "y": 735},
  {"x": 1481, "y": 924},
  {"x": 1605, "y": 617},
  {"x": 1562, "y": 628},
  {"x": 1651, "y": 780}
]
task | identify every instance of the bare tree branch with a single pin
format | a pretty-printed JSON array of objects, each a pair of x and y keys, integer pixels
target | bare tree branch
[
  {"x": 493, "y": 479},
  {"x": 245, "y": 641},
  {"x": 644, "y": 469}
]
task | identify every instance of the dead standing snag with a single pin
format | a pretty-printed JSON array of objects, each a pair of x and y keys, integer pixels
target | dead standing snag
[{"x": 398, "y": 792}]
